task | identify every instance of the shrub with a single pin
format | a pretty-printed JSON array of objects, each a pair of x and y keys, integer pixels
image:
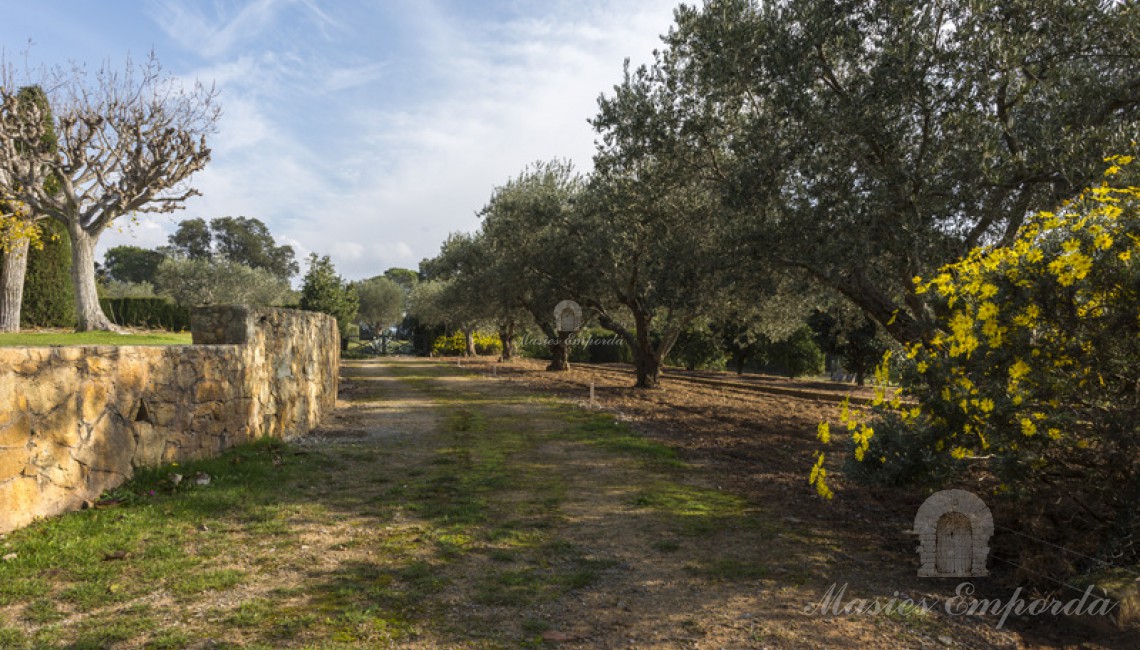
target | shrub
[
  {"x": 151, "y": 313},
  {"x": 1032, "y": 371},
  {"x": 601, "y": 350},
  {"x": 208, "y": 282},
  {"x": 455, "y": 345},
  {"x": 795, "y": 356},
  {"x": 697, "y": 348},
  {"x": 49, "y": 300}
]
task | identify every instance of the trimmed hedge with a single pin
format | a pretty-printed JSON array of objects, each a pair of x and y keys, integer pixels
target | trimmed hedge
[{"x": 154, "y": 313}]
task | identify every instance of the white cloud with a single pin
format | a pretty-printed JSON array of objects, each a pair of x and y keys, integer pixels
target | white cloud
[
  {"x": 345, "y": 78},
  {"x": 190, "y": 27},
  {"x": 373, "y": 155}
]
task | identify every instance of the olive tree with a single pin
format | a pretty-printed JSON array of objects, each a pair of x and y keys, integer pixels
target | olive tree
[
  {"x": 648, "y": 231},
  {"x": 529, "y": 252},
  {"x": 218, "y": 282},
  {"x": 128, "y": 143},
  {"x": 381, "y": 304},
  {"x": 462, "y": 300},
  {"x": 871, "y": 142}
]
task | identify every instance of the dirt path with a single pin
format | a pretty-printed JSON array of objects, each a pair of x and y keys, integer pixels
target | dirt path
[{"x": 554, "y": 524}]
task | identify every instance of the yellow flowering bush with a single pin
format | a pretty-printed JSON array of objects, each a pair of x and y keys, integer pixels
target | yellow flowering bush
[
  {"x": 1034, "y": 370},
  {"x": 455, "y": 345}
]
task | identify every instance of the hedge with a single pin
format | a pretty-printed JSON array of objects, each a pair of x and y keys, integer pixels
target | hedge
[{"x": 155, "y": 313}]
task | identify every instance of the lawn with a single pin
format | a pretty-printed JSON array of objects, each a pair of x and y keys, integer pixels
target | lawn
[{"x": 58, "y": 338}]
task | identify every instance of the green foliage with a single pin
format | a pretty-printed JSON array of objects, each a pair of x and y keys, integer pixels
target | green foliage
[
  {"x": 191, "y": 240},
  {"x": 857, "y": 343},
  {"x": 49, "y": 300},
  {"x": 248, "y": 241},
  {"x": 1034, "y": 367},
  {"x": 132, "y": 264},
  {"x": 326, "y": 292},
  {"x": 455, "y": 345},
  {"x": 406, "y": 278},
  {"x": 381, "y": 301},
  {"x": 863, "y": 143},
  {"x": 796, "y": 356},
  {"x": 241, "y": 240},
  {"x": 427, "y": 304},
  {"x": 116, "y": 289},
  {"x": 151, "y": 313},
  {"x": 603, "y": 346},
  {"x": 697, "y": 348},
  {"x": 194, "y": 282},
  {"x": 899, "y": 455}
]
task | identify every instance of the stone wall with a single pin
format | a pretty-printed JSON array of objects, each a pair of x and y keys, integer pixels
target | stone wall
[{"x": 75, "y": 421}]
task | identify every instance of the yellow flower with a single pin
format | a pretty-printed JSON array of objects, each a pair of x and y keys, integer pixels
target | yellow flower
[
  {"x": 823, "y": 432},
  {"x": 1028, "y": 427}
]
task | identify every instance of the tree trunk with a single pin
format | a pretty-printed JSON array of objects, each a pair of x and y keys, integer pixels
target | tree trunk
[
  {"x": 469, "y": 339},
  {"x": 12, "y": 285},
  {"x": 507, "y": 339},
  {"x": 738, "y": 361},
  {"x": 648, "y": 370},
  {"x": 647, "y": 360},
  {"x": 89, "y": 315},
  {"x": 560, "y": 352},
  {"x": 897, "y": 320}
]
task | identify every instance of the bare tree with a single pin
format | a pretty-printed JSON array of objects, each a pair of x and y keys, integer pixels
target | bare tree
[{"x": 128, "y": 143}]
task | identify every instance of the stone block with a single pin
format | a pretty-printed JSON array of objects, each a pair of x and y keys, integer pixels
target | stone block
[
  {"x": 92, "y": 400},
  {"x": 20, "y": 502},
  {"x": 211, "y": 391},
  {"x": 48, "y": 391},
  {"x": 62, "y": 427},
  {"x": 12, "y": 463},
  {"x": 101, "y": 366},
  {"x": 64, "y": 473},
  {"x": 150, "y": 443},
  {"x": 110, "y": 449},
  {"x": 15, "y": 429},
  {"x": 68, "y": 416}
]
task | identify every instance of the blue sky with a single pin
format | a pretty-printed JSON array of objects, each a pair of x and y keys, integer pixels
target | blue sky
[{"x": 364, "y": 130}]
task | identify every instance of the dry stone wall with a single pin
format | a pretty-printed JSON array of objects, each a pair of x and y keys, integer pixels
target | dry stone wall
[{"x": 75, "y": 421}]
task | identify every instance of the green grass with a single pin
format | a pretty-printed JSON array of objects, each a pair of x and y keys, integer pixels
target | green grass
[
  {"x": 602, "y": 430},
  {"x": 56, "y": 339}
]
